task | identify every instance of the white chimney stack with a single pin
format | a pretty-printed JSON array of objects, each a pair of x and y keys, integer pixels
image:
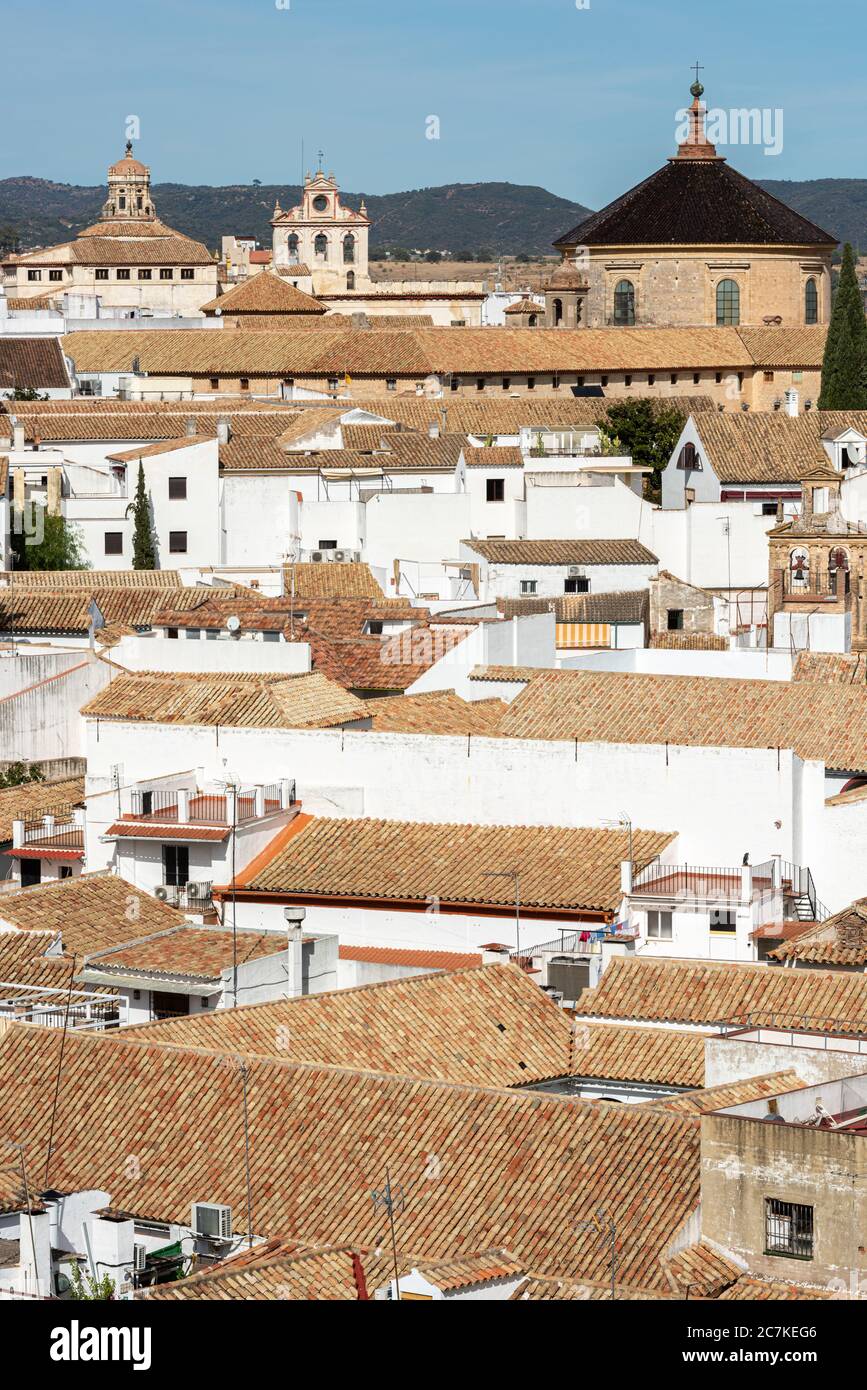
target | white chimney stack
[
  {"x": 294, "y": 918},
  {"x": 791, "y": 406}
]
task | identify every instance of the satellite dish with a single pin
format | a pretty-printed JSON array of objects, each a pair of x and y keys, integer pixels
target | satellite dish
[
  {"x": 233, "y": 624},
  {"x": 857, "y": 452}
]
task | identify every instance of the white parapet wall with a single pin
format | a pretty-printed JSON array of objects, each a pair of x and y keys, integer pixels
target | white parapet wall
[{"x": 149, "y": 653}]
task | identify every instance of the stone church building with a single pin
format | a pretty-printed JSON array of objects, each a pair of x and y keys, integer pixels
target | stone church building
[
  {"x": 695, "y": 244},
  {"x": 129, "y": 261}
]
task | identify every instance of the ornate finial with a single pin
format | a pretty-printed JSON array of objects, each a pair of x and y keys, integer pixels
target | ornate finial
[
  {"x": 129, "y": 149},
  {"x": 321, "y": 157}
]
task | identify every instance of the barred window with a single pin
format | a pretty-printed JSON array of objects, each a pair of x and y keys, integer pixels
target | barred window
[
  {"x": 624, "y": 303},
  {"x": 788, "y": 1229}
]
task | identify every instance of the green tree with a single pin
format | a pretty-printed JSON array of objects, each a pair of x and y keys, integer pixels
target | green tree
[
  {"x": 433, "y": 257},
  {"x": 143, "y": 548},
  {"x": 48, "y": 543},
  {"x": 18, "y": 774},
  {"x": 844, "y": 366},
  {"x": 26, "y": 393},
  {"x": 89, "y": 1289},
  {"x": 646, "y": 431}
]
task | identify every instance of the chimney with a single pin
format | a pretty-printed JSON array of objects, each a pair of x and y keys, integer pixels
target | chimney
[
  {"x": 294, "y": 918},
  {"x": 190, "y": 424},
  {"x": 433, "y": 430},
  {"x": 17, "y": 435},
  {"x": 791, "y": 406},
  {"x": 625, "y": 877},
  {"x": 495, "y": 953},
  {"x": 224, "y": 430}
]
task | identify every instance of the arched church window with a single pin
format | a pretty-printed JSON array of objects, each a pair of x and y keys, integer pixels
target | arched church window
[
  {"x": 557, "y": 308},
  {"x": 728, "y": 304},
  {"x": 349, "y": 250},
  {"x": 838, "y": 560},
  {"x": 292, "y": 245},
  {"x": 320, "y": 245},
  {"x": 624, "y": 303},
  {"x": 532, "y": 321},
  {"x": 350, "y": 279},
  {"x": 811, "y": 302}
]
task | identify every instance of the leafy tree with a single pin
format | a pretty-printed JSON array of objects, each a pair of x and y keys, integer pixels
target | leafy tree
[
  {"x": 143, "y": 548},
  {"x": 485, "y": 253},
  {"x": 844, "y": 366},
  {"x": 434, "y": 257},
  {"x": 17, "y": 774},
  {"x": 89, "y": 1289},
  {"x": 647, "y": 432},
  {"x": 523, "y": 258},
  {"x": 26, "y": 393},
  {"x": 52, "y": 543},
  {"x": 400, "y": 253}
]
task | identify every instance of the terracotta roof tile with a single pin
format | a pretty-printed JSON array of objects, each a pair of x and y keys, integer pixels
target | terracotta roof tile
[
  {"x": 240, "y": 700},
  {"x": 563, "y": 552},
  {"x": 32, "y": 362},
  {"x": 264, "y": 293},
  {"x": 34, "y": 799},
  {"x": 89, "y": 912},
  {"x": 656, "y": 1056},
  {"x": 198, "y": 952},
  {"x": 439, "y": 712},
  {"x": 703, "y": 1102}
]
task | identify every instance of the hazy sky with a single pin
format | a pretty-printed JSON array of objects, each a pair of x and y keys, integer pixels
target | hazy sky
[{"x": 581, "y": 101}]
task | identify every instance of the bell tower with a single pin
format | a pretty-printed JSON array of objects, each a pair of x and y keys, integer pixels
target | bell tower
[
  {"x": 324, "y": 235},
  {"x": 129, "y": 191}
]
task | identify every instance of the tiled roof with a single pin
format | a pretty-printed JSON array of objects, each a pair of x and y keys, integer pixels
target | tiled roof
[
  {"x": 538, "y": 1289},
  {"x": 692, "y": 202},
  {"x": 33, "y": 799},
  {"x": 91, "y": 912},
  {"x": 657, "y": 1056},
  {"x": 553, "y": 552},
  {"x": 335, "y": 1274},
  {"x": 323, "y": 1138},
  {"x": 380, "y": 663},
  {"x": 44, "y": 611},
  {"x": 438, "y": 712},
  {"x": 240, "y": 700},
  {"x": 90, "y": 579},
  {"x": 107, "y": 419},
  {"x": 693, "y": 711},
  {"x": 702, "y": 993},
  {"x": 794, "y": 346},
  {"x": 504, "y": 416},
  {"x": 620, "y": 606},
  {"x": 840, "y": 940},
  {"x": 198, "y": 952},
  {"x": 689, "y": 641},
  {"x": 26, "y": 968},
  {"x": 264, "y": 294},
  {"x": 32, "y": 362},
  {"x": 497, "y": 456},
  {"x": 701, "y": 1271},
  {"x": 761, "y": 1290},
  {"x": 419, "y": 960},
  {"x": 23, "y": 609},
  {"x": 838, "y": 668},
  {"x": 703, "y": 1102},
  {"x": 162, "y": 446},
  {"x": 136, "y": 243},
  {"x": 419, "y": 352},
  {"x": 562, "y": 869},
  {"x": 766, "y": 447},
  {"x": 331, "y": 579},
  {"x": 488, "y": 1026},
  {"x": 130, "y": 830}
]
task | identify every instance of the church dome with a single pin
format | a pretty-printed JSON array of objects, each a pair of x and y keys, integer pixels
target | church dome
[
  {"x": 696, "y": 198},
  {"x": 567, "y": 277},
  {"x": 128, "y": 166}
]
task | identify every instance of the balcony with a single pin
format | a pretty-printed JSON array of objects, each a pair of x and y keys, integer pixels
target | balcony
[
  {"x": 188, "y": 897},
  {"x": 57, "y": 834},
  {"x": 688, "y": 885},
  {"x": 208, "y": 807}
]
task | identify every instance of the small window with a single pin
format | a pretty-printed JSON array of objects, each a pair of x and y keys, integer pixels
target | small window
[
  {"x": 391, "y": 383},
  {"x": 696, "y": 378},
  {"x": 767, "y": 376},
  {"x": 769, "y": 509},
  {"x": 507, "y": 383},
  {"x": 121, "y": 202},
  {"x": 788, "y": 1229},
  {"x": 214, "y": 383},
  {"x": 176, "y": 865},
  {"x": 187, "y": 273},
  {"x": 728, "y": 304},
  {"x": 55, "y": 275},
  {"x": 480, "y": 383},
  {"x": 100, "y": 274},
  {"x": 333, "y": 383},
  {"x": 33, "y": 275},
  {"x": 811, "y": 302},
  {"x": 166, "y": 273},
  {"x": 193, "y": 634},
  {"x": 531, "y": 383},
  {"x": 624, "y": 304},
  {"x": 114, "y": 542},
  {"x": 66, "y": 871},
  {"x": 528, "y": 586},
  {"x": 456, "y": 383},
  {"x": 145, "y": 274},
  {"x": 627, "y": 380},
  {"x": 578, "y": 584},
  {"x": 123, "y": 274},
  {"x": 722, "y": 919},
  {"x": 495, "y": 490},
  {"x": 651, "y": 379},
  {"x": 603, "y": 381},
  {"x": 555, "y": 381},
  {"x": 675, "y": 620},
  {"x": 244, "y": 383},
  {"x": 673, "y": 378},
  {"x": 659, "y": 926},
  {"x": 178, "y": 489},
  {"x": 177, "y": 542},
  {"x": 717, "y": 376},
  {"x": 172, "y": 632},
  {"x": 375, "y": 628}
]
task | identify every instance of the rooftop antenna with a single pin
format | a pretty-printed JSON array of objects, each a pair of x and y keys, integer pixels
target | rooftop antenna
[{"x": 392, "y": 1199}]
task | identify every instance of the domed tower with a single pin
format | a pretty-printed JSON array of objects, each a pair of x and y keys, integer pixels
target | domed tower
[
  {"x": 129, "y": 191},
  {"x": 565, "y": 294}
]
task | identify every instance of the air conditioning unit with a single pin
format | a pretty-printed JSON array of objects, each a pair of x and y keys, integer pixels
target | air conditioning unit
[
  {"x": 167, "y": 893},
  {"x": 212, "y": 1221},
  {"x": 200, "y": 892},
  {"x": 317, "y": 557},
  {"x": 139, "y": 1256}
]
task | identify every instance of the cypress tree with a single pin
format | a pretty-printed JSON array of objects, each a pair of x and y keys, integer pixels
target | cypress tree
[
  {"x": 844, "y": 367},
  {"x": 143, "y": 550}
]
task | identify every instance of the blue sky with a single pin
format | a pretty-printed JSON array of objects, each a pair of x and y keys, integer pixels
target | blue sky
[{"x": 581, "y": 101}]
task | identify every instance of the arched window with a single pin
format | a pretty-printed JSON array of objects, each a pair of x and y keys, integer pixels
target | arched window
[
  {"x": 320, "y": 245},
  {"x": 532, "y": 320},
  {"x": 811, "y": 302},
  {"x": 799, "y": 568},
  {"x": 838, "y": 560},
  {"x": 728, "y": 304},
  {"x": 557, "y": 308},
  {"x": 292, "y": 244},
  {"x": 624, "y": 303},
  {"x": 350, "y": 279},
  {"x": 349, "y": 250}
]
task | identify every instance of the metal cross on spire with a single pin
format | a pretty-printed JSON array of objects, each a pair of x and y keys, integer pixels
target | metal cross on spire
[
  {"x": 321, "y": 158},
  {"x": 699, "y": 67}
]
